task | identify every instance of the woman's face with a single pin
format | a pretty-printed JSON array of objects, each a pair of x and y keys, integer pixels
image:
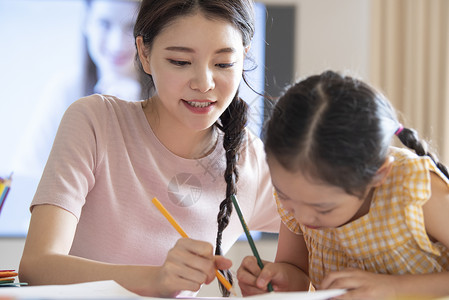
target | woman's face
[
  {"x": 196, "y": 64},
  {"x": 109, "y": 32}
]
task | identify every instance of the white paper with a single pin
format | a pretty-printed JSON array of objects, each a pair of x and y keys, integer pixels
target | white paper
[
  {"x": 317, "y": 295},
  {"x": 90, "y": 290},
  {"x": 112, "y": 290}
]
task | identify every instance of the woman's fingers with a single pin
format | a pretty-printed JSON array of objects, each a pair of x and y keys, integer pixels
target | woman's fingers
[{"x": 190, "y": 263}]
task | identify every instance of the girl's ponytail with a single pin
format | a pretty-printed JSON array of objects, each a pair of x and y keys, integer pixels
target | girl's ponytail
[{"x": 409, "y": 137}]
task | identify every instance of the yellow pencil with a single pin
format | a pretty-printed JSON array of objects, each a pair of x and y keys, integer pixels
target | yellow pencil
[{"x": 178, "y": 228}]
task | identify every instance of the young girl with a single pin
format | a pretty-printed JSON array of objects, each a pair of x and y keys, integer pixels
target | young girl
[
  {"x": 92, "y": 216},
  {"x": 358, "y": 213}
]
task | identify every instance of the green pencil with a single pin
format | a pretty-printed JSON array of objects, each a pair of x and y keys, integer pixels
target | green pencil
[{"x": 248, "y": 236}]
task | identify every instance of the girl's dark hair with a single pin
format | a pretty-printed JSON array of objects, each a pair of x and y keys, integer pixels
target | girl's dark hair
[
  {"x": 336, "y": 129},
  {"x": 154, "y": 16}
]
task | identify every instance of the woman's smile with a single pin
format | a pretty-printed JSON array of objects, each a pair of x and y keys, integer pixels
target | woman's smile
[{"x": 200, "y": 107}]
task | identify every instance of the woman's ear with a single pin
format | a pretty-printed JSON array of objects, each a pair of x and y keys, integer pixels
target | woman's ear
[
  {"x": 144, "y": 56},
  {"x": 383, "y": 171}
]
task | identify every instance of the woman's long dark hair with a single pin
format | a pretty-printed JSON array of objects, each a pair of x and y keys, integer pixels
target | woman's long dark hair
[
  {"x": 338, "y": 130},
  {"x": 155, "y": 15}
]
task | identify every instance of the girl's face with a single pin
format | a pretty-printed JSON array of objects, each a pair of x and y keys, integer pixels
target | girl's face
[
  {"x": 314, "y": 205},
  {"x": 196, "y": 64},
  {"x": 109, "y": 32}
]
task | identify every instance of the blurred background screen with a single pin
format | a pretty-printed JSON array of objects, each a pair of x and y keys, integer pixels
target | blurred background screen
[{"x": 54, "y": 52}]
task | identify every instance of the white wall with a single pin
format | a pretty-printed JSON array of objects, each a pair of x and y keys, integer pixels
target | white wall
[{"x": 330, "y": 34}]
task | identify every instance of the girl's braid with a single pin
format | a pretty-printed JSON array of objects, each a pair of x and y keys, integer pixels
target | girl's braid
[{"x": 409, "y": 137}]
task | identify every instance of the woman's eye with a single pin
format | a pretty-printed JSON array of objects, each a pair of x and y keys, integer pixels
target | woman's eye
[
  {"x": 178, "y": 62},
  {"x": 225, "y": 66},
  {"x": 325, "y": 212}
]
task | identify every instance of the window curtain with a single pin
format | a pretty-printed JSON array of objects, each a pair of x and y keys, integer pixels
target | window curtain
[{"x": 410, "y": 65}]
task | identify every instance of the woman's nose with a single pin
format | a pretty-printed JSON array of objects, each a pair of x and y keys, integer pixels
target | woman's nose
[{"x": 203, "y": 80}]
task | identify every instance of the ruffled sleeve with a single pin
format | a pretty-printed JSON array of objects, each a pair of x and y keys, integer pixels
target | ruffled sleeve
[
  {"x": 287, "y": 218},
  {"x": 417, "y": 191}
]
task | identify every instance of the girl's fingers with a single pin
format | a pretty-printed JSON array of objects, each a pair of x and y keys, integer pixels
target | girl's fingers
[
  {"x": 249, "y": 264},
  {"x": 245, "y": 277},
  {"x": 336, "y": 279},
  {"x": 251, "y": 290}
]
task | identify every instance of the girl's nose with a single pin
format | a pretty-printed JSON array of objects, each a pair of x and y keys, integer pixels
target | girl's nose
[{"x": 203, "y": 80}]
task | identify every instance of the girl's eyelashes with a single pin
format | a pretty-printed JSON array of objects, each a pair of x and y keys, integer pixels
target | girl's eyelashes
[{"x": 325, "y": 212}]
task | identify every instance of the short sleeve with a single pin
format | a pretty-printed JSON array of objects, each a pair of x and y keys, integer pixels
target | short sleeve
[
  {"x": 416, "y": 181},
  {"x": 69, "y": 173},
  {"x": 417, "y": 191}
]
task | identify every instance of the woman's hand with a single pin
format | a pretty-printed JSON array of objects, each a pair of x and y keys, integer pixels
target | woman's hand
[
  {"x": 282, "y": 276},
  {"x": 361, "y": 284},
  {"x": 188, "y": 265}
]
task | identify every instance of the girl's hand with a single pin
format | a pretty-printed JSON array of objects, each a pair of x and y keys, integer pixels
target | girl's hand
[
  {"x": 283, "y": 277},
  {"x": 188, "y": 265},
  {"x": 247, "y": 275},
  {"x": 361, "y": 284}
]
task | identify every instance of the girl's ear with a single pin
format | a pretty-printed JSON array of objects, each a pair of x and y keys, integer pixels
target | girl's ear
[
  {"x": 144, "y": 57},
  {"x": 383, "y": 171}
]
